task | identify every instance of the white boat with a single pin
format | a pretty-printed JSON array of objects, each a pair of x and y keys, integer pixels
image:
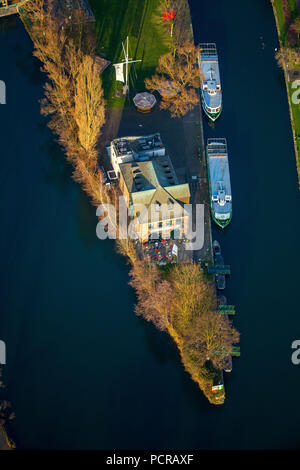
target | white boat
[
  {"x": 211, "y": 92},
  {"x": 219, "y": 182}
]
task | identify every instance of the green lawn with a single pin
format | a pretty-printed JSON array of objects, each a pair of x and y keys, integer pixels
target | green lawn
[
  {"x": 280, "y": 15},
  {"x": 148, "y": 40},
  {"x": 278, "y": 6}
]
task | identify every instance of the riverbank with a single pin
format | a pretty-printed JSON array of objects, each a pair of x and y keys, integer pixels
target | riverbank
[{"x": 293, "y": 108}]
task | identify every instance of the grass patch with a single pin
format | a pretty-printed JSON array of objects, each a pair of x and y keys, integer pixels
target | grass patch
[
  {"x": 117, "y": 19},
  {"x": 298, "y": 148},
  {"x": 280, "y": 16}
]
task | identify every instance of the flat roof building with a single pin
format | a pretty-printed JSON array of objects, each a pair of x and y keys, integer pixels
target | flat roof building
[{"x": 129, "y": 149}]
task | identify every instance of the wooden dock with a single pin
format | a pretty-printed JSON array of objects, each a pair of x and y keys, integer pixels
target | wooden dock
[
  {"x": 10, "y": 7},
  {"x": 7, "y": 11}
]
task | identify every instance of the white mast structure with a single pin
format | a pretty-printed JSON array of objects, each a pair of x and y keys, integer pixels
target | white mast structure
[{"x": 119, "y": 68}]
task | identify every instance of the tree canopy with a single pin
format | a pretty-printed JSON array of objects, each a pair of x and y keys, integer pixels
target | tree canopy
[{"x": 181, "y": 70}]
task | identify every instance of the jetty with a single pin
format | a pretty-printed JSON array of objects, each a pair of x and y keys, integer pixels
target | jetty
[
  {"x": 226, "y": 309},
  {"x": 10, "y": 7}
]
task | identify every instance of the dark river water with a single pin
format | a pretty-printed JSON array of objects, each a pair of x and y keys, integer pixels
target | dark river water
[{"x": 82, "y": 370}]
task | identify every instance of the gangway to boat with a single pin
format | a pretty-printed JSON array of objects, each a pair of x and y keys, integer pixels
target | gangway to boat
[
  {"x": 219, "y": 269},
  {"x": 236, "y": 351},
  {"x": 226, "y": 309}
]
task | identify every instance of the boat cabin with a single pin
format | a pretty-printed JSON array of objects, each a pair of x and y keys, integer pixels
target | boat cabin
[{"x": 221, "y": 197}]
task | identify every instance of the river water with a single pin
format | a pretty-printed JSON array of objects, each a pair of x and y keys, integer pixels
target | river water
[{"x": 82, "y": 370}]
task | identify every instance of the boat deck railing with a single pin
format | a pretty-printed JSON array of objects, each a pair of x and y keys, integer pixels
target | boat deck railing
[
  {"x": 219, "y": 269},
  {"x": 217, "y": 147},
  {"x": 208, "y": 50}
]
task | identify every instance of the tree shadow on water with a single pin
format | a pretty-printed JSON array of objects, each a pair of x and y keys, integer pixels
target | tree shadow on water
[
  {"x": 57, "y": 171},
  {"x": 165, "y": 352},
  {"x": 29, "y": 65},
  {"x": 87, "y": 220},
  {"x": 159, "y": 342}
]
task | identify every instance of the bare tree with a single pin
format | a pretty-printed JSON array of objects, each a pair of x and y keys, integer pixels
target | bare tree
[
  {"x": 185, "y": 305},
  {"x": 193, "y": 295},
  {"x": 89, "y": 105},
  {"x": 73, "y": 94},
  {"x": 181, "y": 70},
  {"x": 210, "y": 338},
  {"x": 154, "y": 294}
]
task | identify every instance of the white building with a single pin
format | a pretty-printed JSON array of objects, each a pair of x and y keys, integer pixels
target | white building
[{"x": 130, "y": 149}]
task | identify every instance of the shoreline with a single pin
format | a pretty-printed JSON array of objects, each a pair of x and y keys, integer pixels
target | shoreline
[{"x": 297, "y": 156}]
